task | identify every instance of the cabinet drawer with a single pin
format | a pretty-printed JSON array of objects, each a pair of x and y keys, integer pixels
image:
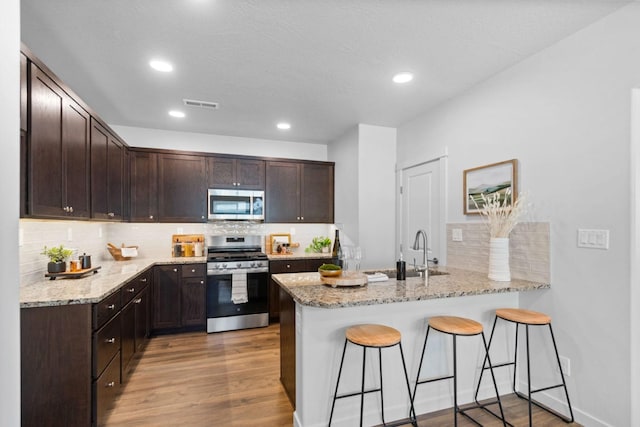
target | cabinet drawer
[
  {"x": 134, "y": 286},
  {"x": 106, "y": 343},
  {"x": 105, "y": 390},
  {"x": 194, "y": 270},
  {"x": 106, "y": 309},
  {"x": 290, "y": 266},
  {"x": 315, "y": 263}
]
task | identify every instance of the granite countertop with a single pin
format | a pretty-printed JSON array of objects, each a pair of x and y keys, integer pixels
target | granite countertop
[
  {"x": 307, "y": 289},
  {"x": 93, "y": 287},
  {"x": 302, "y": 255}
]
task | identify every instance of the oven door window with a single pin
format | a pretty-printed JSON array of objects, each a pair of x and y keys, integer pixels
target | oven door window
[{"x": 219, "y": 303}]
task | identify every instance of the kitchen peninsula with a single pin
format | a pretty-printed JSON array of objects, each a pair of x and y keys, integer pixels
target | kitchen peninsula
[{"x": 313, "y": 318}]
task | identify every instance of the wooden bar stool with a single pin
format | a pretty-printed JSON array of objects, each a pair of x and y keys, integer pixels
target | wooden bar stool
[
  {"x": 372, "y": 336},
  {"x": 456, "y": 326},
  {"x": 528, "y": 318}
]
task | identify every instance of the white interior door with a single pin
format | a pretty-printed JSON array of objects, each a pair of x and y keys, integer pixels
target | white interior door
[{"x": 420, "y": 209}]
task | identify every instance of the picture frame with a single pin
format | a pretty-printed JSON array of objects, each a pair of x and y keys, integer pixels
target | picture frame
[
  {"x": 489, "y": 179},
  {"x": 278, "y": 239}
]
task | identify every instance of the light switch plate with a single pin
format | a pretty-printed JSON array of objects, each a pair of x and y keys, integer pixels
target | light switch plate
[
  {"x": 456, "y": 234},
  {"x": 593, "y": 239}
]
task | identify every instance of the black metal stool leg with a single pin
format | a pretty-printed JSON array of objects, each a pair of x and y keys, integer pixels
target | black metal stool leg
[
  {"x": 337, "y": 382},
  {"x": 381, "y": 392},
  {"x": 515, "y": 359},
  {"x": 415, "y": 387},
  {"x": 364, "y": 359},
  {"x": 564, "y": 384},
  {"x": 526, "y": 328},
  {"x": 484, "y": 363},
  {"x": 493, "y": 377},
  {"x": 406, "y": 377},
  {"x": 455, "y": 383}
]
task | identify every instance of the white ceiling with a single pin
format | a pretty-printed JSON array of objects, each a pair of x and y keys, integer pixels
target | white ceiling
[{"x": 323, "y": 65}]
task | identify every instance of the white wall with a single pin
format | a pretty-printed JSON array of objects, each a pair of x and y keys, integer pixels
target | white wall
[
  {"x": 377, "y": 178},
  {"x": 190, "y": 141},
  {"x": 564, "y": 113},
  {"x": 9, "y": 176},
  {"x": 365, "y": 191}
]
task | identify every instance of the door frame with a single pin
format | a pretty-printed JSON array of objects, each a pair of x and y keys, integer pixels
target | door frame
[
  {"x": 442, "y": 163},
  {"x": 634, "y": 282}
]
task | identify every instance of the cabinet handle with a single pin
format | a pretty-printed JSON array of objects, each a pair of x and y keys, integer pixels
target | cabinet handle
[
  {"x": 111, "y": 214},
  {"x": 202, "y": 217},
  {"x": 70, "y": 208},
  {"x": 288, "y": 266},
  {"x": 110, "y": 340},
  {"x": 132, "y": 290},
  {"x": 302, "y": 218},
  {"x": 202, "y": 282},
  {"x": 138, "y": 301},
  {"x": 66, "y": 209},
  {"x": 150, "y": 216},
  {"x": 193, "y": 270},
  {"x": 144, "y": 280},
  {"x": 111, "y": 306},
  {"x": 110, "y": 384},
  {"x": 175, "y": 270}
]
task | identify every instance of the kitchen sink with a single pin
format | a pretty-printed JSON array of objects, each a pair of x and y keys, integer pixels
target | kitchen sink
[{"x": 410, "y": 273}]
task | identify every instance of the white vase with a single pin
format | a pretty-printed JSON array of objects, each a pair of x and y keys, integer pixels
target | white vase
[{"x": 499, "y": 259}]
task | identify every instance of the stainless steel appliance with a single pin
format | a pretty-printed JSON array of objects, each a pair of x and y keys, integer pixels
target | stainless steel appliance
[
  {"x": 237, "y": 283},
  {"x": 235, "y": 204}
]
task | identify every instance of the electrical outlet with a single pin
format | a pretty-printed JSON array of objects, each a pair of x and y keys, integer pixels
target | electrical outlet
[
  {"x": 565, "y": 364},
  {"x": 456, "y": 234}
]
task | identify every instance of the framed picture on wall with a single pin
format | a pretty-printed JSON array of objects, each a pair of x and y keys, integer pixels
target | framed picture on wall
[{"x": 497, "y": 178}]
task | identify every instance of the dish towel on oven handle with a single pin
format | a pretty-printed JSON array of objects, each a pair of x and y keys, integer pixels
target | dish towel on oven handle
[{"x": 239, "y": 287}]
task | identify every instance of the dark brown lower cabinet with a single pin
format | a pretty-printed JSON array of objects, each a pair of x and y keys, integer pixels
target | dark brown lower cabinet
[
  {"x": 179, "y": 297},
  {"x": 288, "y": 266},
  {"x": 288, "y": 345},
  {"x": 75, "y": 357}
]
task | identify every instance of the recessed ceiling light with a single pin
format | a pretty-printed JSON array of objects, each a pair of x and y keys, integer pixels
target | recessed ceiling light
[
  {"x": 283, "y": 126},
  {"x": 176, "y": 113},
  {"x": 163, "y": 66},
  {"x": 404, "y": 77}
]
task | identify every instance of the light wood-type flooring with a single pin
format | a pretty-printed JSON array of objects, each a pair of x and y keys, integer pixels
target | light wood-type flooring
[{"x": 232, "y": 379}]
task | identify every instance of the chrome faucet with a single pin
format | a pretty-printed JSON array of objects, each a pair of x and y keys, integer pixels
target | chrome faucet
[{"x": 424, "y": 267}]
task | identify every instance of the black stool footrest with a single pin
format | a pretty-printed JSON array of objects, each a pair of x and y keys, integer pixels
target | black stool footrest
[
  {"x": 434, "y": 379},
  {"x": 546, "y": 408},
  {"x": 499, "y": 365},
  {"x": 357, "y": 393}
]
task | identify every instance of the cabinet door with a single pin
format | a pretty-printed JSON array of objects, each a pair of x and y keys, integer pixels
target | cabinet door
[
  {"x": 115, "y": 178},
  {"x": 282, "y": 194},
  {"x": 250, "y": 174},
  {"x": 128, "y": 333},
  {"x": 182, "y": 192},
  {"x": 275, "y": 267},
  {"x": 316, "y": 201},
  {"x": 45, "y": 147},
  {"x": 144, "y": 186},
  {"x": 221, "y": 172},
  {"x": 143, "y": 321},
  {"x": 193, "y": 301},
  {"x": 107, "y": 169},
  {"x": 59, "y": 151},
  {"x": 75, "y": 136},
  {"x": 166, "y": 296}
]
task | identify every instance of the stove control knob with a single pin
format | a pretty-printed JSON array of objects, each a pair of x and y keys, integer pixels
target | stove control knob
[
  {"x": 222, "y": 266},
  {"x": 239, "y": 265},
  {"x": 254, "y": 264}
]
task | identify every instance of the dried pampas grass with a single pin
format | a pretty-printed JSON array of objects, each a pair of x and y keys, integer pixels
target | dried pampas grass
[{"x": 501, "y": 217}]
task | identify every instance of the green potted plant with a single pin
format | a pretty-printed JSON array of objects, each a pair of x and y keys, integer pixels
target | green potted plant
[
  {"x": 319, "y": 244},
  {"x": 57, "y": 258}
]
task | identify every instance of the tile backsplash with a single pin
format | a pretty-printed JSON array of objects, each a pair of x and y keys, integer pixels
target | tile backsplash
[
  {"x": 153, "y": 240},
  {"x": 529, "y": 249}
]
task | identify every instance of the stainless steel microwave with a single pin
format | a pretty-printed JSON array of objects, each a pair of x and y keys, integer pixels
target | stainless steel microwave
[{"x": 235, "y": 204}]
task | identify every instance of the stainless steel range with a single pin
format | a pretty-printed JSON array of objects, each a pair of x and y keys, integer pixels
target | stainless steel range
[{"x": 237, "y": 283}]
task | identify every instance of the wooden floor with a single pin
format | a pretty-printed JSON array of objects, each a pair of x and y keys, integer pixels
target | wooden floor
[{"x": 232, "y": 379}]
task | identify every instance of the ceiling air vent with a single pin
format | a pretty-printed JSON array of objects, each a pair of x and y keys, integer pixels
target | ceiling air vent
[{"x": 201, "y": 104}]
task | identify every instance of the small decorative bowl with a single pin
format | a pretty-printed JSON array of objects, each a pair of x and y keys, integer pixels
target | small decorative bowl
[{"x": 330, "y": 273}]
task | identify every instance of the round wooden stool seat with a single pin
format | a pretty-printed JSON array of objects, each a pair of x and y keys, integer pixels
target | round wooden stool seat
[
  {"x": 373, "y": 335},
  {"x": 455, "y": 325},
  {"x": 520, "y": 315}
]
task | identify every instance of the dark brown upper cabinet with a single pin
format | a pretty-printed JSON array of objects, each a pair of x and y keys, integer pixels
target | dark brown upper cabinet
[
  {"x": 226, "y": 172},
  {"x": 23, "y": 92},
  {"x": 299, "y": 192},
  {"x": 182, "y": 191},
  {"x": 57, "y": 151},
  {"x": 107, "y": 174},
  {"x": 144, "y": 186}
]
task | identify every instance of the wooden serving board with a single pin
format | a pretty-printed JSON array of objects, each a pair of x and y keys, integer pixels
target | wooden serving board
[
  {"x": 346, "y": 279},
  {"x": 73, "y": 274}
]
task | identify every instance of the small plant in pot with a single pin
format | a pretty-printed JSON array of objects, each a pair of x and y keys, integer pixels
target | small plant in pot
[
  {"x": 319, "y": 244},
  {"x": 57, "y": 258}
]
